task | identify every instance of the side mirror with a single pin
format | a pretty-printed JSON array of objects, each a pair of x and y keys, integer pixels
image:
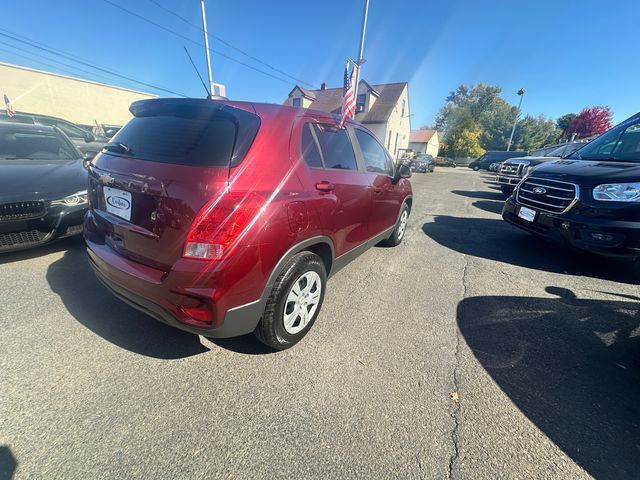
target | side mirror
[
  {"x": 86, "y": 158},
  {"x": 89, "y": 137},
  {"x": 403, "y": 171}
]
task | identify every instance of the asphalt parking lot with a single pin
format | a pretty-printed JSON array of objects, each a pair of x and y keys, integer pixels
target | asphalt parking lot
[{"x": 473, "y": 350}]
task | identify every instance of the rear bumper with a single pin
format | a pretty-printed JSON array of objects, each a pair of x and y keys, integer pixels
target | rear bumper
[
  {"x": 142, "y": 289},
  {"x": 610, "y": 238}
]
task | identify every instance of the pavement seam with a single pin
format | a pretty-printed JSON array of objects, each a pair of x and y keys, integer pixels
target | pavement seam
[{"x": 456, "y": 387}]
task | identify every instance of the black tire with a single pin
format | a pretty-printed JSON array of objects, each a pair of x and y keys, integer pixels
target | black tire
[
  {"x": 271, "y": 330},
  {"x": 506, "y": 191},
  {"x": 476, "y": 168},
  {"x": 397, "y": 235}
]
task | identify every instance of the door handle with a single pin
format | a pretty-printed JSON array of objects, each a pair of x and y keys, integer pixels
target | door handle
[{"x": 324, "y": 186}]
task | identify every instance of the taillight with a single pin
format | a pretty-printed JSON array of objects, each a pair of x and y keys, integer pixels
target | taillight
[{"x": 221, "y": 223}]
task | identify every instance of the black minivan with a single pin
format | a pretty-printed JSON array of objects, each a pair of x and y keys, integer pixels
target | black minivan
[
  {"x": 484, "y": 161},
  {"x": 590, "y": 199}
]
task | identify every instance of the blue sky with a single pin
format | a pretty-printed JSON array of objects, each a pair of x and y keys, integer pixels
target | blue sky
[{"x": 567, "y": 54}]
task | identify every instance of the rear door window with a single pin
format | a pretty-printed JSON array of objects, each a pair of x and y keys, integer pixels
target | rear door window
[
  {"x": 310, "y": 151},
  {"x": 335, "y": 147},
  {"x": 199, "y": 134},
  {"x": 70, "y": 130},
  {"x": 376, "y": 159}
]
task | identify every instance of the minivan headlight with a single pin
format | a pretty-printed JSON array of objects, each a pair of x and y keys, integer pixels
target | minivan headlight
[
  {"x": 617, "y": 192},
  {"x": 79, "y": 198}
]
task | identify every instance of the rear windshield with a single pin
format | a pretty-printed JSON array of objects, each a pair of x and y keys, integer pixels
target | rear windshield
[
  {"x": 202, "y": 134},
  {"x": 34, "y": 145}
]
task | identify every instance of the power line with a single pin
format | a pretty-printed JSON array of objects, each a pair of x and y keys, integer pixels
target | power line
[
  {"x": 222, "y": 40},
  {"x": 81, "y": 61},
  {"x": 74, "y": 68},
  {"x": 184, "y": 37}
]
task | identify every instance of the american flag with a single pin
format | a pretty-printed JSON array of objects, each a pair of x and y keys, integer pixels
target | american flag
[
  {"x": 348, "y": 99},
  {"x": 10, "y": 111}
]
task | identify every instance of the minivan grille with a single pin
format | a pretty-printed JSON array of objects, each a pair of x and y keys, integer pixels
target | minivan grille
[
  {"x": 29, "y": 237},
  {"x": 20, "y": 210},
  {"x": 550, "y": 195}
]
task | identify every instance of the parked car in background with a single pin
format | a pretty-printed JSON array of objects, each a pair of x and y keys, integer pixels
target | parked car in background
[
  {"x": 445, "y": 162},
  {"x": 43, "y": 186},
  {"x": 225, "y": 218},
  {"x": 484, "y": 161},
  {"x": 589, "y": 200},
  {"x": 544, "y": 151},
  {"x": 513, "y": 170},
  {"x": 82, "y": 138},
  {"x": 423, "y": 163}
]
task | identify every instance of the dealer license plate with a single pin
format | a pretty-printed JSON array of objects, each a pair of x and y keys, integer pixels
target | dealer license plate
[
  {"x": 527, "y": 214},
  {"x": 118, "y": 202}
]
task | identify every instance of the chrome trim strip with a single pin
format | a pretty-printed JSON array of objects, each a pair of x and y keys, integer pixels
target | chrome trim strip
[{"x": 550, "y": 186}]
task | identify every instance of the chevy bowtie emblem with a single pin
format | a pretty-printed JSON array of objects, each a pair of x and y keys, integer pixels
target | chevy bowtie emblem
[
  {"x": 106, "y": 179},
  {"x": 539, "y": 191}
]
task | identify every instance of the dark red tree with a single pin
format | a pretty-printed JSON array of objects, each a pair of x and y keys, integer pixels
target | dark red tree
[{"x": 591, "y": 121}]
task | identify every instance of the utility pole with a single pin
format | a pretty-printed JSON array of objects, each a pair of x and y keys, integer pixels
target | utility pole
[
  {"x": 361, "y": 60},
  {"x": 206, "y": 47},
  {"x": 521, "y": 95}
]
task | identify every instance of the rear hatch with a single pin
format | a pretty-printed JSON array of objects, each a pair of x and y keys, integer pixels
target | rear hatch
[{"x": 152, "y": 179}]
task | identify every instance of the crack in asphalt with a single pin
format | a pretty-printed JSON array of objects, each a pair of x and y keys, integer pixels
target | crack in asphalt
[{"x": 456, "y": 386}]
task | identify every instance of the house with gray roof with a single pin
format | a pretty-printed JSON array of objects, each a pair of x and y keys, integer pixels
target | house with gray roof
[{"x": 382, "y": 108}]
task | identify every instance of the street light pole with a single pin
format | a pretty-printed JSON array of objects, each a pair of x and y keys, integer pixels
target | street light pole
[
  {"x": 360, "y": 60},
  {"x": 206, "y": 47},
  {"x": 521, "y": 95}
]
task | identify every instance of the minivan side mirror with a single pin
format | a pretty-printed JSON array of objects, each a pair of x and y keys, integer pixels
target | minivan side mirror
[{"x": 403, "y": 171}]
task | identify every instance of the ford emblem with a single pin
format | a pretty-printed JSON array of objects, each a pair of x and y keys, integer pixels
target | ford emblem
[{"x": 539, "y": 191}]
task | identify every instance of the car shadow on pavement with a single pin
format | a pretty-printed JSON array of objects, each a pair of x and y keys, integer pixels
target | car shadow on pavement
[
  {"x": 483, "y": 195},
  {"x": 97, "y": 309},
  {"x": 494, "y": 239},
  {"x": 8, "y": 463},
  {"x": 571, "y": 365},
  {"x": 246, "y": 344},
  {"x": 59, "y": 246},
  {"x": 490, "y": 206}
]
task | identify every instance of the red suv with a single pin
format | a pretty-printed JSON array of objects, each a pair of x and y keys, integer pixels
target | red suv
[{"x": 225, "y": 218}]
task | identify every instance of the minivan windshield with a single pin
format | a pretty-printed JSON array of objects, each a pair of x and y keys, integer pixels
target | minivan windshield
[{"x": 621, "y": 143}]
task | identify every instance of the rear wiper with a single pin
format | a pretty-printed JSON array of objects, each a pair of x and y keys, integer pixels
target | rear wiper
[{"x": 118, "y": 148}]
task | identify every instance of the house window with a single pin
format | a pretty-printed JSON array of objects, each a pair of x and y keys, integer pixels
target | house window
[
  {"x": 395, "y": 146},
  {"x": 296, "y": 102},
  {"x": 389, "y": 141},
  {"x": 360, "y": 102},
  {"x": 403, "y": 105}
]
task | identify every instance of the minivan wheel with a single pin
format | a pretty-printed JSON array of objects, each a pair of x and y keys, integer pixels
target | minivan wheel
[
  {"x": 294, "y": 303},
  {"x": 400, "y": 230},
  {"x": 476, "y": 168}
]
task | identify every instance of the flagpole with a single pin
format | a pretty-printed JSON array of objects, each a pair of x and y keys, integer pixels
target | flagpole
[
  {"x": 206, "y": 47},
  {"x": 361, "y": 51}
]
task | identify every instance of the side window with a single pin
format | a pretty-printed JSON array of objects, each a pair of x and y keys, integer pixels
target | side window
[
  {"x": 335, "y": 146},
  {"x": 296, "y": 102},
  {"x": 70, "y": 130},
  {"x": 375, "y": 158},
  {"x": 310, "y": 151}
]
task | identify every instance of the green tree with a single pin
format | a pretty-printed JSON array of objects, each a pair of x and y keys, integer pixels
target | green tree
[
  {"x": 482, "y": 104},
  {"x": 564, "y": 122},
  {"x": 534, "y": 132},
  {"x": 465, "y": 143}
]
